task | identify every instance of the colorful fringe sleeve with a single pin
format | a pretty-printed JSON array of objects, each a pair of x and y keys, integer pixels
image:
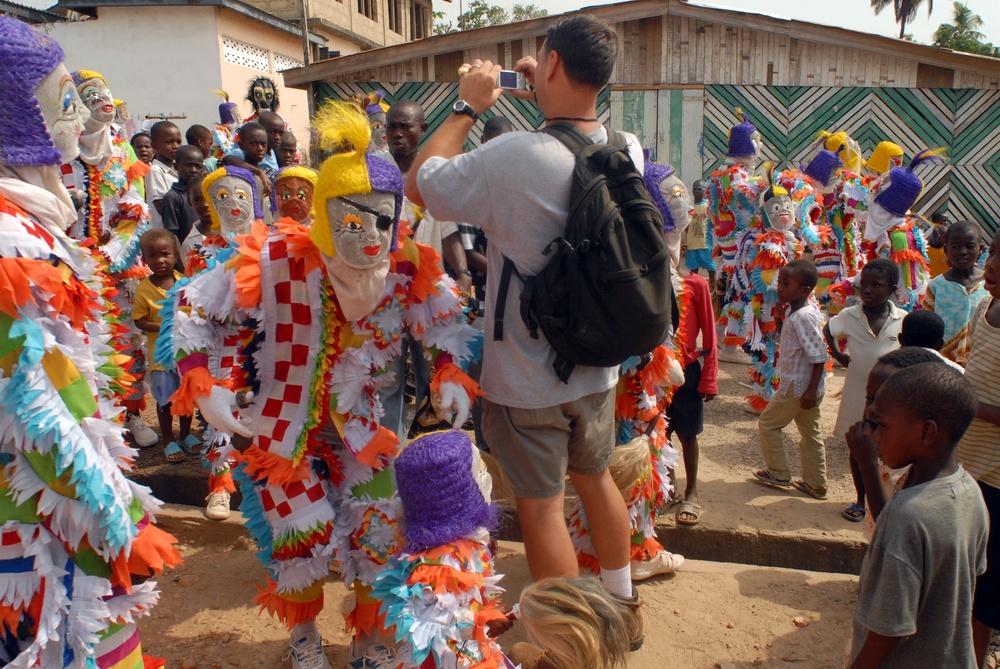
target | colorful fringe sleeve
[{"x": 439, "y": 602}]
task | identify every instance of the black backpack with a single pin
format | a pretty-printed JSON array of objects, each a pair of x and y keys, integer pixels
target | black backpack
[{"x": 605, "y": 293}]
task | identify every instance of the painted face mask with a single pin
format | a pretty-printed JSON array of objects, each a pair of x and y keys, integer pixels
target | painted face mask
[
  {"x": 362, "y": 228},
  {"x": 64, "y": 112},
  {"x": 263, "y": 95},
  {"x": 295, "y": 196},
  {"x": 232, "y": 200},
  {"x": 379, "y": 140},
  {"x": 97, "y": 97},
  {"x": 779, "y": 213}
]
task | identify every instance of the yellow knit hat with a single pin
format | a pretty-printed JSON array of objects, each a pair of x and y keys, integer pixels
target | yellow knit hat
[{"x": 879, "y": 160}]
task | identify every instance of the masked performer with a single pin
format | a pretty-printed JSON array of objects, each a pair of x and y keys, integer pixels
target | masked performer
[
  {"x": 224, "y": 134},
  {"x": 292, "y": 193},
  {"x": 74, "y": 529},
  {"x": 331, "y": 301},
  {"x": 106, "y": 180},
  {"x": 262, "y": 96}
]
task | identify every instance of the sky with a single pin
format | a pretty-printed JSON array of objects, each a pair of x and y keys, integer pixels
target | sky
[{"x": 851, "y": 14}]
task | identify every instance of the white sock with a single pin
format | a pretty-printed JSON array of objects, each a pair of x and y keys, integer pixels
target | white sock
[
  {"x": 618, "y": 581},
  {"x": 302, "y": 629}
]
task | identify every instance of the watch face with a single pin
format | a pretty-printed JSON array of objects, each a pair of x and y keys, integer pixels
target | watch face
[{"x": 463, "y": 107}]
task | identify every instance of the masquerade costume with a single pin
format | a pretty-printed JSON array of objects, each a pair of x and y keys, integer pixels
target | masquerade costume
[
  {"x": 262, "y": 96},
  {"x": 439, "y": 594},
  {"x": 73, "y": 528},
  {"x": 224, "y": 134},
  {"x": 331, "y": 302}
]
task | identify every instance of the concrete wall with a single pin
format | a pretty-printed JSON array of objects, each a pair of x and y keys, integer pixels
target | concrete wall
[{"x": 160, "y": 60}]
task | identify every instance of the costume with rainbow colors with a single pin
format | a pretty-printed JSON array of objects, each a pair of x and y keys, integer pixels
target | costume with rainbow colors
[
  {"x": 331, "y": 302},
  {"x": 73, "y": 529}
]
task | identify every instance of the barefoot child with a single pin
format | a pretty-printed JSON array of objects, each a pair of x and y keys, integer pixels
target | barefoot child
[
  {"x": 955, "y": 294},
  {"x": 160, "y": 251},
  {"x": 801, "y": 362},
  {"x": 915, "y": 593},
  {"x": 872, "y": 330}
]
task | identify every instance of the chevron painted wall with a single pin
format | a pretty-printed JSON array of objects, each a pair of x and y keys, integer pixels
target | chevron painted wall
[
  {"x": 965, "y": 121},
  {"x": 437, "y": 99}
]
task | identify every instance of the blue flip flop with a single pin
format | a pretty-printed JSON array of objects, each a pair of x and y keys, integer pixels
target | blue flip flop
[
  {"x": 191, "y": 445},
  {"x": 174, "y": 453}
]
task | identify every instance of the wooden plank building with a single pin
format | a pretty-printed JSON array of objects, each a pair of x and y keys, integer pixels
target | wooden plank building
[{"x": 683, "y": 68}]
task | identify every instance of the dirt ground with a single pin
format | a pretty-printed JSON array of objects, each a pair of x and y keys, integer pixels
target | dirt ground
[{"x": 707, "y": 615}]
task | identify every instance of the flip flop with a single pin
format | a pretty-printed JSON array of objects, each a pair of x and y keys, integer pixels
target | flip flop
[
  {"x": 692, "y": 510},
  {"x": 767, "y": 478},
  {"x": 191, "y": 445},
  {"x": 815, "y": 493},
  {"x": 854, "y": 513},
  {"x": 174, "y": 453}
]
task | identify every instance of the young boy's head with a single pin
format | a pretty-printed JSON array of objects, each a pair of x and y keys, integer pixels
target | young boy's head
[
  {"x": 796, "y": 281},
  {"x": 143, "y": 147},
  {"x": 889, "y": 364},
  {"x": 699, "y": 189},
  {"x": 922, "y": 328},
  {"x": 961, "y": 245},
  {"x": 878, "y": 280},
  {"x": 287, "y": 149},
  {"x": 200, "y": 136},
  {"x": 275, "y": 127},
  {"x": 253, "y": 143},
  {"x": 166, "y": 138},
  {"x": 921, "y": 412},
  {"x": 189, "y": 163},
  {"x": 160, "y": 250},
  {"x": 198, "y": 201}
]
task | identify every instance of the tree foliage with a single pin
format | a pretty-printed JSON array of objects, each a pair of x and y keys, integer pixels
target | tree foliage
[
  {"x": 904, "y": 10},
  {"x": 963, "y": 34},
  {"x": 481, "y": 14}
]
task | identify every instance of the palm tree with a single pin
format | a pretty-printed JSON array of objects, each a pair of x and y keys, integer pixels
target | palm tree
[
  {"x": 966, "y": 24},
  {"x": 905, "y": 11}
]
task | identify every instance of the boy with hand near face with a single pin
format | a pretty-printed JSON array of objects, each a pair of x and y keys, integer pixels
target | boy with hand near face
[
  {"x": 917, "y": 581},
  {"x": 166, "y": 139}
]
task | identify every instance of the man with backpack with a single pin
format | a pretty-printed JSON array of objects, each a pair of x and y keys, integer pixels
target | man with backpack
[{"x": 543, "y": 415}]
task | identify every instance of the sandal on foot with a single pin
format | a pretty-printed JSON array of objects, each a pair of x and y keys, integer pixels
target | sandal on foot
[
  {"x": 191, "y": 445},
  {"x": 767, "y": 478},
  {"x": 815, "y": 493},
  {"x": 689, "y": 513},
  {"x": 174, "y": 453},
  {"x": 854, "y": 513}
]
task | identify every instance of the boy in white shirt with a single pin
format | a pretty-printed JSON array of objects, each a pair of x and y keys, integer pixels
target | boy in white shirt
[{"x": 166, "y": 139}]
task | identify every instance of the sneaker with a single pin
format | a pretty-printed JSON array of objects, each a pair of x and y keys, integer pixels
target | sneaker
[
  {"x": 143, "y": 436},
  {"x": 217, "y": 507},
  {"x": 374, "y": 657},
  {"x": 734, "y": 354},
  {"x": 661, "y": 563},
  {"x": 633, "y": 604},
  {"x": 307, "y": 653}
]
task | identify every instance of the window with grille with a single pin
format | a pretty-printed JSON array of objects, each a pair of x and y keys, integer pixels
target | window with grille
[
  {"x": 246, "y": 55},
  {"x": 282, "y": 63},
  {"x": 419, "y": 21},
  {"x": 368, "y": 8},
  {"x": 396, "y": 16}
]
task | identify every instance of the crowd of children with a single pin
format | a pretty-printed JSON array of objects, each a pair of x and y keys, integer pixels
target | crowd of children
[{"x": 278, "y": 296}]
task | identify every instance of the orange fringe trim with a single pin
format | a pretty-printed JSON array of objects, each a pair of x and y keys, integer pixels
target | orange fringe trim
[
  {"x": 153, "y": 662},
  {"x": 649, "y": 548},
  {"x": 445, "y": 578},
  {"x": 588, "y": 562},
  {"x": 136, "y": 170},
  {"x": 153, "y": 550},
  {"x": 383, "y": 442},
  {"x": 300, "y": 246},
  {"x": 197, "y": 383},
  {"x": 72, "y": 297},
  {"x": 758, "y": 403},
  {"x": 909, "y": 255},
  {"x": 732, "y": 340},
  {"x": 365, "y": 619},
  {"x": 247, "y": 265},
  {"x": 428, "y": 272},
  {"x": 656, "y": 370},
  {"x": 452, "y": 372},
  {"x": 261, "y": 464},
  {"x": 483, "y": 618},
  {"x": 221, "y": 482},
  {"x": 288, "y": 612}
]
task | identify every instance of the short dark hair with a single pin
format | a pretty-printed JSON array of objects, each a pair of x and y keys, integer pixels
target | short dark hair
[
  {"x": 154, "y": 235},
  {"x": 804, "y": 272},
  {"x": 940, "y": 216},
  {"x": 588, "y": 49},
  {"x": 908, "y": 356},
  {"x": 251, "y": 126},
  {"x": 960, "y": 227},
  {"x": 289, "y": 134},
  {"x": 138, "y": 135},
  {"x": 889, "y": 269},
  {"x": 934, "y": 391},
  {"x": 495, "y": 126},
  {"x": 186, "y": 149},
  {"x": 196, "y": 133},
  {"x": 922, "y": 328},
  {"x": 161, "y": 127}
]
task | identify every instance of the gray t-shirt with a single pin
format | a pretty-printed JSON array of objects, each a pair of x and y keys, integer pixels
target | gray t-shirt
[
  {"x": 516, "y": 189},
  {"x": 919, "y": 574}
]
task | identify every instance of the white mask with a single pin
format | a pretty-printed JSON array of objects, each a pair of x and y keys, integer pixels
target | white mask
[
  {"x": 780, "y": 213},
  {"x": 232, "y": 199},
  {"x": 97, "y": 97},
  {"x": 64, "y": 113},
  {"x": 362, "y": 228}
]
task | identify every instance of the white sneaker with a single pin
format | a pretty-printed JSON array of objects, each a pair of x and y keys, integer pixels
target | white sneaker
[
  {"x": 661, "y": 563},
  {"x": 307, "y": 653},
  {"x": 143, "y": 436},
  {"x": 374, "y": 657},
  {"x": 218, "y": 505},
  {"x": 734, "y": 354}
]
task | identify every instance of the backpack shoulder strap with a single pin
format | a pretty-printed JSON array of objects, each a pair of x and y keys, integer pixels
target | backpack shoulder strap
[{"x": 568, "y": 134}]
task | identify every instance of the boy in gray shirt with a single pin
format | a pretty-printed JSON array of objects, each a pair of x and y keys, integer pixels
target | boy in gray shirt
[{"x": 918, "y": 576}]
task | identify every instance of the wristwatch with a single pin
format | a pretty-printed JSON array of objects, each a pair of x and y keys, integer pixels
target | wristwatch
[{"x": 463, "y": 107}]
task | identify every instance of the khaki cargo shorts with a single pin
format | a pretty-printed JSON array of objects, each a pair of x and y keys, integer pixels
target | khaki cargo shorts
[{"x": 538, "y": 446}]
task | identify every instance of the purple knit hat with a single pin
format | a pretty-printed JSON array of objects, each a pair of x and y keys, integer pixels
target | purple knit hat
[
  {"x": 904, "y": 185},
  {"x": 823, "y": 165},
  {"x": 441, "y": 500},
  {"x": 26, "y": 57},
  {"x": 652, "y": 175},
  {"x": 741, "y": 140},
  {"x": 386, "y": 178}
]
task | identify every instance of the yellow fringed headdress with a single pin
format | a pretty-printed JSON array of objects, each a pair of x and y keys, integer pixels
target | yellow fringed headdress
[
  {"x": 851, "y": 153},
  {"x": 81, "y": 76},
  {"x": 879, "y": 160}
]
